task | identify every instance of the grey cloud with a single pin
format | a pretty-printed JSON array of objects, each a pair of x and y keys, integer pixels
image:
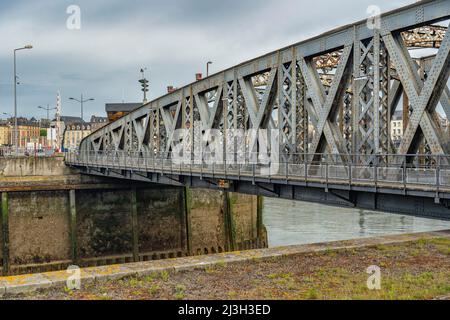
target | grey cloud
[{"x": 172, "y": 38}]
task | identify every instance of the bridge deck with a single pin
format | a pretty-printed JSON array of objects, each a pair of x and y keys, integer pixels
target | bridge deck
[{"x": 393, "y": 177}]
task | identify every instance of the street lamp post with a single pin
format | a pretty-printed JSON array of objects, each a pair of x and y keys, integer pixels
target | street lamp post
[
  {"x": 81, "y": 101},
  {"x": 15, "y": 97},
  {"x": 207, "y": 68},
  {"x": 48, "y": 120}
]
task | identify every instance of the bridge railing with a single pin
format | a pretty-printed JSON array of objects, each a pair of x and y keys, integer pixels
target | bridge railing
[{"x": 403, "y": 170}]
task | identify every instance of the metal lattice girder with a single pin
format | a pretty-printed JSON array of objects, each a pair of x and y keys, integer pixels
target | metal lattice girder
[
  {"x": 422, "y": 96},
  {"x": 257, "y": 110},
  {"x": 287, "y": 92},
  {"x": 170, "y": 124},
  {"x": 208, "y": 116},
  {"x": 323, "y": 103},
  {"x": 423, "y": 37},
  {"x": 301, "y": 120},
  {"x": 154, "y": 130},
  {"x": 147, "y": 128},
  {"x": 425, "y": 64},
  {"x": 140, "y": 127},
  {"x": 385, "y": 112},
  {"x": 367, "y": 117}
]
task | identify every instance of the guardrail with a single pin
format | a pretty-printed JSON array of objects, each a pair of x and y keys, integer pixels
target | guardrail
[
  {"x": 23, "y": 152},
  {"x": 403, "y": 170}
]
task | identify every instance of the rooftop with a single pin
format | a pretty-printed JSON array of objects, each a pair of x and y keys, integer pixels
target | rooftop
[
  {"x": 71, "y": 120},
  {"x": 122, "y": 107}
]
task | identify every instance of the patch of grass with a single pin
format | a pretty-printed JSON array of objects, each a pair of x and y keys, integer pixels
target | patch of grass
[
  {"x": 382, "y": 247},
  {"x": 210, "y": 269},
  {"x": 420, "y": 280},
  {"x": 164, "y": 276},
  {"x": 134, "y": 282},
  {"x": 440, "y": 241},
  {"x": 320, "y": 272},
  {"x": 444, "y": 250},
  {"x": 422, "y": 242},
  {"x": 68, "y": 291},
  {"x": 352, "y": 251},
  {"x": 312, "y": 294},
  {"x": 154, "y": 289},
  {"x": 180, "y": 292},
  {"x": 285, "y": 280},
  {"x": 441, "y": 244},
  {"x": 149, "y": 278},
  {"x": 136, "y": 293},
  {"x": 280, "y": 276},
  {"x": 415, "y": 252},
  {"x": 330, "y": 252}
]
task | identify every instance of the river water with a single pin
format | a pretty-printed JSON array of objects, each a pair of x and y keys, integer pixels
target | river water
[{"x": 295, "y": 222}]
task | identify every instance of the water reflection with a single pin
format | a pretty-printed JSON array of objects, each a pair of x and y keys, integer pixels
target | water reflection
[{"x": 295, "y": 222}]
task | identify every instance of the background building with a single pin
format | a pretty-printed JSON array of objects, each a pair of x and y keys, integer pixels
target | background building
[
  {"x": 117, "y": 110},
  {"x": 98, "y": 122},
  {"x": 74, "y": 133},
  {"x": 5, "y": 135},
  {"x": 397, "y": 127}
]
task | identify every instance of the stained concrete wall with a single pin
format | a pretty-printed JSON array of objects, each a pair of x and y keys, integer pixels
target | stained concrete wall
[
  {"x": 244, "y": 210},
  {"x": 170, "y": 221},
  {"x": 161, "y": 219},
  {"x": 223, "y": 221},
  {"x": 34, "y": 166},
  {"x": 103, "y": 223},
  {"x": 207, "y": 221},
  {"x": 38, "y": 227}
]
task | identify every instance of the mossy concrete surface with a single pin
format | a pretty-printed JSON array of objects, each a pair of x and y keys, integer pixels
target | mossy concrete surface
[{"x": 27, "y": 284}]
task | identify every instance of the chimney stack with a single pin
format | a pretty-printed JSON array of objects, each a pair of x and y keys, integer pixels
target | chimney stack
[{"x": 198, "y": 76}]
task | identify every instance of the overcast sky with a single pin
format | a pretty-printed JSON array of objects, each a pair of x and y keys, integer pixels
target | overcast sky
[{"x": 172, "y": 38}]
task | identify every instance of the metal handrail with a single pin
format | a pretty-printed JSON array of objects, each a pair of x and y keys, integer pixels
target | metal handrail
[{"x": 403, "y": 169}]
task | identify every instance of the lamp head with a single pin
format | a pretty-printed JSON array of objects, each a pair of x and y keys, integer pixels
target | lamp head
[{"x": 28, "y": 46}]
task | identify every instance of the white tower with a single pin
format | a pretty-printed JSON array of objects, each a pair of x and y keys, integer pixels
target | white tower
[{"x": 58, "y": 120}]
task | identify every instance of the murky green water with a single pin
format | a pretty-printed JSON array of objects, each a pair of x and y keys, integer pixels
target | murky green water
[{"x": 294, "y": 222}]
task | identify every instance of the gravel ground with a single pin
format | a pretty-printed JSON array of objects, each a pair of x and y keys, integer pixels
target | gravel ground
[{"x": 415, "y": 270}]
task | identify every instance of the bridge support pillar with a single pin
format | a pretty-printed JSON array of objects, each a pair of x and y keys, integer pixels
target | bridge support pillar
[
  {"x": 261, "y": 233},
  {"x": 5, "y": 233},
  {"x": 230, "y": 228},
  {"x": 134, "y": 225},
  {"x": 186, "y": 211},
  {"x": 73, "y": 227}
]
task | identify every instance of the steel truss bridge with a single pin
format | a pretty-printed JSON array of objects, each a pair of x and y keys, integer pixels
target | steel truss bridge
[{"x": 330, "y": 98}]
